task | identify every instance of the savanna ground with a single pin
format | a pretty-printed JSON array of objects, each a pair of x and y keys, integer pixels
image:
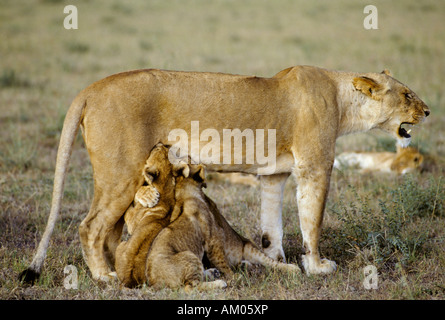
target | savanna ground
[{"x": 394, "y": 223}]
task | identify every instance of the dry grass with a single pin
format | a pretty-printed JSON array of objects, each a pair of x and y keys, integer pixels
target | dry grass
[{"x": 43, "y": 66}]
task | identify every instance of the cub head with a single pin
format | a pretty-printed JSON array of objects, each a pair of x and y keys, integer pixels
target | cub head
[
  {"x": 396, "y": 104},
  {"x": 160, "y": 174},
  {"x": 407, "y": 160}
]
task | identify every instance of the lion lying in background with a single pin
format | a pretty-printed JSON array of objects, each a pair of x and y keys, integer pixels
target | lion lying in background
[
  {"x": 235, "y": 178},
  {"x": 403, "y": 161}
]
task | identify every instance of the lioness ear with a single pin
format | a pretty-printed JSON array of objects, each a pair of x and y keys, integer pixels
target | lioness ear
[
  {"x": 387, "y": 72},
  {"x": 368, "y": 86},
  {"x": 181, "y": 168}
]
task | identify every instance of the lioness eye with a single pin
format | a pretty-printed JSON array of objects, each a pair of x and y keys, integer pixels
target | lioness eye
[{"x": 408, "y": 96}]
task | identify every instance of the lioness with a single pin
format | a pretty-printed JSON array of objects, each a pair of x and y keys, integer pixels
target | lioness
[
  {"x": 175, "y": 258},
  {"x": 149, "y": 213},
  {"x": 403, "y": 161},
  {"x": 126, "y": 114}
]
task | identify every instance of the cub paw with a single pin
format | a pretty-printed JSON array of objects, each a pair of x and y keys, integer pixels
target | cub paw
[
  {"x": 217, "y": 284},
  {"x": 147, "y": 196},
  {"x": 207, "y": 286},
  {"x": 211, "y": 274},
  {"x": 289, "y": 267}
]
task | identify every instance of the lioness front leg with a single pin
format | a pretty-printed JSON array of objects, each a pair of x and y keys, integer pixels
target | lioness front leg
[
  {"x": 311, "y": 198},
  {"x": 272, "y": 188}
]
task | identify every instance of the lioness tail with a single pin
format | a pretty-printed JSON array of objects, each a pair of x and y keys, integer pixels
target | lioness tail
[{"x": 69, "y": 133}]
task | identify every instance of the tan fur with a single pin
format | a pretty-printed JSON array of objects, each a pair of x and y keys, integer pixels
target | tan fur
[
  {"x": 144, "y": 222},
  {"x": 175, "y": 258},
  {"x": 407, "y": 160},
  {"x": 403, "y": 161},
  {"x": 124, "y": 115},
  {"x": 236, "y": 178}
]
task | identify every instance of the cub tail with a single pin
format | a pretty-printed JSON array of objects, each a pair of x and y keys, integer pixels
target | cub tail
[{"x": 255, "y": 256}]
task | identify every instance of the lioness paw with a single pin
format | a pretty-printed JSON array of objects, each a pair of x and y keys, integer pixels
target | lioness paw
[
  {"x": 147, "y": 196},
  {"x": 324, "y": 266},
  {"x": 275, "y": 252}
]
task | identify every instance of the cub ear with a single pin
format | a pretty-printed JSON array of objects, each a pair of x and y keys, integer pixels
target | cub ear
[
  {"x": 198, "y": 173},
  {"x": 150, "y": 174},
  {"x": 387, "y": 72},
  {"x": 369, "y": 87},
  {"x": 181, "y": 168}
]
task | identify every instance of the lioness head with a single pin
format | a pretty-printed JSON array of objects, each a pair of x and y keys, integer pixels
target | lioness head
[
  {"x": 399, "y": 105},
  {"x": 160, "y": 174},
  {"x": 407, "y": 160}
]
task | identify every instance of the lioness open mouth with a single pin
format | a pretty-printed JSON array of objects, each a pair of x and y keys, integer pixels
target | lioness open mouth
[{"x": 403, "y": 133}]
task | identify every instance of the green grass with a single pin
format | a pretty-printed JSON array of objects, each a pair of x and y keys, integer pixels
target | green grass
[
  {"x": 394, "y": 223},
  {"x": 387, "y": 232}
]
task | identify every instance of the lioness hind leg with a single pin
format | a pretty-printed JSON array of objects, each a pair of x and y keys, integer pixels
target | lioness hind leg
[
  {"x": 100, "y": 233},
  {"x": 112, "y": 242}
]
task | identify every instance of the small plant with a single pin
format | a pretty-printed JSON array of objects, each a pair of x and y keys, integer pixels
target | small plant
[
  {"x": 19, "y": 152},
  {"x": 9, "y": 78},
  {"x": 386, "y": 231},
  {"x": 77, "y": 47},
  {"x": 418, "y": 201}
]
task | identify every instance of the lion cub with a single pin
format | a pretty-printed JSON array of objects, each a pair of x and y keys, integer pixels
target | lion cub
[
  {"x": 197, "y": 226},
  {"x": 404, "y": 161},
  {"x": 148, "y": 215}
]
